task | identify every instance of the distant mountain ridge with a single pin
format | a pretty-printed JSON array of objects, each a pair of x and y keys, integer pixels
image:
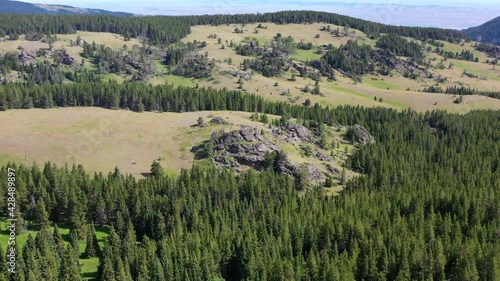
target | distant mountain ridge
[
  {"x": 488, "y": 32},
  {"x": 17, "y": 7}
]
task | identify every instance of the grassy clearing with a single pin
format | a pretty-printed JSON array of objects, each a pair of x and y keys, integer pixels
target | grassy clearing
[
  {"x": 305, "y": 55},
  {"x": 179, "y": 81},
  {"x": 380, "y": 83},
  {"x": 109, "y": 39},
  {"x": 161, "y": 66},
  {"x": 112, "y": 76},
  {"x": 101, "y": 139}
]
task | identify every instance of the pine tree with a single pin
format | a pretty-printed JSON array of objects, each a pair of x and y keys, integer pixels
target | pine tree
[
  {"x": 156, "y": 169},
  {"x": 92, "y": 248},
  {"x": 70, "y": 268},
  {"x": 317, "y": 90},
  {"x": 41, "y": 215}
]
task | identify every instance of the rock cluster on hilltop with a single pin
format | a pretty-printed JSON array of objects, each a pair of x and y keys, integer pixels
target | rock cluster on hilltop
[
  {"x": 219, "y": 121},
  {"x": 247, "y": 147},
  {"x": 293, "y": 133},
  {"x": 27, "y": 58}
]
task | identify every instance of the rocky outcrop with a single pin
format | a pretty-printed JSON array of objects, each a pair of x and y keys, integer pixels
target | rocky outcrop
[
  {"x": 324, "y": 68},
  {"x": 294, "y": 133},
  {"x": 27, "y": 58},
  {"x": 219, "y": 121},
  {"x": 63, "y": 57},
  {"x": 386, "y": 57},
  {"x": 471, "y": 75},
  {"x": 360, "y": 134},
  {"x": 240, "y": 74},
  {"x": 247, "y": 147},
  {"x": 333, "y": 171},
  {"x": 323, "y": 157}
]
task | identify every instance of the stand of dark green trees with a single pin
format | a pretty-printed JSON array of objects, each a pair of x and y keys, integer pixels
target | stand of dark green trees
[
  {"x": 163, "y": 30},
  {"x": 426, "y": 207},
  {"x": 454, "y": 90}
]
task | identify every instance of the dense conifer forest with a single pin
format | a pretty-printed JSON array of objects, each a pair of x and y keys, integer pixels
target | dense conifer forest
[
  {"x": 425, "y": 208},
  {"x": 424, "y": 204}
]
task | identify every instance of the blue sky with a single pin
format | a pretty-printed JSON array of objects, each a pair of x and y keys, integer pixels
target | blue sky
[{"x": 456, "y": 14}]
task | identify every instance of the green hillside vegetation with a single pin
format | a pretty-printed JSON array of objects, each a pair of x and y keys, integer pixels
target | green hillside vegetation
[
  {"x": 488, "y": 32},
  {"x": 88, "y": 265},
  {"x": 106, "y": 134},
  {"x": 313, "y": 52},
  {"x": 398, "y": 219}
]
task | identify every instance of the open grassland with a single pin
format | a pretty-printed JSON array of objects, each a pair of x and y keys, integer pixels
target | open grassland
[
  {"x": 300, "y": 32},
  {"x": 101, "y": 139},
  {"x": 88, "y": 265},
  {"x": 345, "y": 91},
  {"x": 13, "y": 45},
  {"x": 111, "y": 40}
]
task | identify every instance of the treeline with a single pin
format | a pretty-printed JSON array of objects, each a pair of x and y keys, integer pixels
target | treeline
[
  {"x": 455, "y": 90},
  {"x": 463, "y": 55},
  {"x": 158, "y": 30},
  {"x": 163, "y": 30},
  {"x": 425, "y": 208},
  {"x": 371, "y": 28},
  {"x": 162, "y": 98}
]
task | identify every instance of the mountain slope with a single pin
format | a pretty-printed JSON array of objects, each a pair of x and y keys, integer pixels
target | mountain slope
[
  {"x": 16, "y": 7},
  {"x": 488, "y": 32}
]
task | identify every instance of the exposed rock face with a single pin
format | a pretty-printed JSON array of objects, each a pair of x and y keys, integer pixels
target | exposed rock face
[
  {"x": 314, "y": 173},
  {"x": 67, "y": 59},
  {"x": 219, "y": 121},
  {"x": 361, "y": 134},
  {"x": 333, "y": 170},
  {"x": 247, "y": 147},
  {"x": 239, "y": 74},
  {"x": 494, "y": 51},
  {"x": 294, "y": 133},
  {"x": 323, "y": 157},
  {"x": 242, "y": 147},
  {"x": 386, "y": 57},
  {"x": 324, "y": 68},
  {"x": 27, "y": 58},
  {"x": 136, "y": 64}
]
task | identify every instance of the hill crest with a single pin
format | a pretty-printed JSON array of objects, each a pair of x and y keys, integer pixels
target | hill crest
[{"x": 17, "y": 7}]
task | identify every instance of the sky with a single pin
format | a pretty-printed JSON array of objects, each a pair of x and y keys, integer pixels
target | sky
[{"x": 456, "y": 14}]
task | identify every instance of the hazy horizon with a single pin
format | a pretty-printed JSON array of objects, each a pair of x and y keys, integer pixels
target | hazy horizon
[{"x": 445, "y": 14}]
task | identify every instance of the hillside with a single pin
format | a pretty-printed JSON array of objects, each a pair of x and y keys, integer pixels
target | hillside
[
  {"x": 295, "y": 145},
  {"x": 488, "y": 32},
  {"x": 426, "y": 200},
  {"x": 89, "y": 137},
  {"x": 401, "y": 71},
  {"x": 17, "y": 7}
]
